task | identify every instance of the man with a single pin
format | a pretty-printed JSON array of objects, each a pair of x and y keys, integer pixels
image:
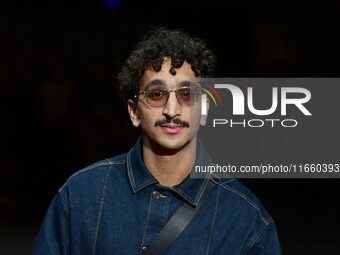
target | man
[{"x": 120, "y": 204}]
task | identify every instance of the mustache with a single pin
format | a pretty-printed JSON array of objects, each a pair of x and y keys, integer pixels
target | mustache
[{"x": 176, "y": 121}]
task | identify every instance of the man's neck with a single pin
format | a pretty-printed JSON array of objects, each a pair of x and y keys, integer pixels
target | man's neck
[{"x": 170, "y": 168}]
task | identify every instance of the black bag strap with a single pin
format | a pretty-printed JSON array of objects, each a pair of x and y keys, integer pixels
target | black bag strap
[{"x": 175, "y": 226}]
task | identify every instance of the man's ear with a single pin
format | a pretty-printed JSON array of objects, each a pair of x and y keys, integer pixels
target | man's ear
[
  {"x": 132, "y": 109},
  {"x": 204, "y": 117}
]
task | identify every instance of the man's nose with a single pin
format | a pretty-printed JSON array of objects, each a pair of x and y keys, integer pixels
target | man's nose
[{"x": 173, "y": 107}]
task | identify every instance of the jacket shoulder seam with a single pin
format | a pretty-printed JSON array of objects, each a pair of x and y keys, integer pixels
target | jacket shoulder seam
[
  {"x": 248, "y": 200},
  {"x": 105, "y": 162}
]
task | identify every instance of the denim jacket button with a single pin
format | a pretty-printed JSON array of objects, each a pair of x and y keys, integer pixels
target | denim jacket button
[
  {"x": 156, "y": 195},
  {"x": 144, "y": 249}
]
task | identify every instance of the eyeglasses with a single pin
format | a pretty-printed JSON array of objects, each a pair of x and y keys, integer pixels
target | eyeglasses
[{"x": 158, "y": 96}]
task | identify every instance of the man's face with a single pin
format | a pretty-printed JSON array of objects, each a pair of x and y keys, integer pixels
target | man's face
[{"x": 169, "y": 127}]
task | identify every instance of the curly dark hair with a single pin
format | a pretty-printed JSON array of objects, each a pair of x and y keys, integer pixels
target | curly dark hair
[{"x": 157, "y": 44}]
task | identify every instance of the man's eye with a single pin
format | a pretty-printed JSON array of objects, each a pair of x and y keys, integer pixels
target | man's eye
[
  {"x": 185, "y": 93},
  {"x": 155, "y": 93}
]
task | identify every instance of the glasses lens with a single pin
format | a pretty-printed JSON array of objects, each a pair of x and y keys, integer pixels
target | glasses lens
[
  {"x": 156, "y": 97},
  {"x": 187, "y": 96}
]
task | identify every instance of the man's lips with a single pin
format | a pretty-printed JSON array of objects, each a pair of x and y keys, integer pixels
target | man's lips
[
  {"x": 172, "y": 122},
  {"x": 171, "y": 129}
]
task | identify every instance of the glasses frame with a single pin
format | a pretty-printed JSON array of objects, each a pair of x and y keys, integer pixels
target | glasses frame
[{"x": 167, "y": 95}]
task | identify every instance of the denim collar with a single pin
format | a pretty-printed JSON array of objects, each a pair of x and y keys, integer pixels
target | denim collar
[{"x": 190, "y": 189}]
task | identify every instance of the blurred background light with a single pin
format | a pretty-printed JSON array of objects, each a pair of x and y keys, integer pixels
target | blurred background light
[{"x": 111, "y": 4}]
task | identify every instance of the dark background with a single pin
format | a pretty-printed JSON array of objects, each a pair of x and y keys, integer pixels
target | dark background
[{"x": 60, "y": 109}]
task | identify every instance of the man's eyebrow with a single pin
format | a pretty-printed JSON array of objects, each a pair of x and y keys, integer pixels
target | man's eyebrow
[
  {"x": 185, "y": 83},
  {"x": 159, "y": 82},
  {"x": 154, "y": 83}
]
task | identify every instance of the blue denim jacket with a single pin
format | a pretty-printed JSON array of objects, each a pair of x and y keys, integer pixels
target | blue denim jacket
[{"x": 116, "y": 206}]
